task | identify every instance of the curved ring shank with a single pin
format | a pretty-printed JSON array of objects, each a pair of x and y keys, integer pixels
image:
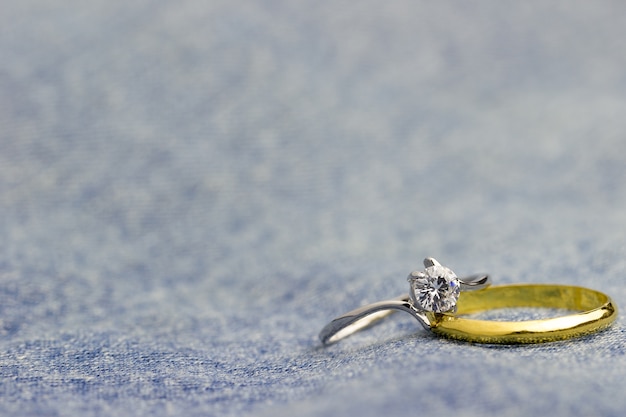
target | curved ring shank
[
  {"x": 597, "y": 312},
  {"x": 365, "y": 316}
]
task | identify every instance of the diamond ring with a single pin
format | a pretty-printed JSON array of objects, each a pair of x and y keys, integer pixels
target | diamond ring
[{"x": 436, "y": 301}]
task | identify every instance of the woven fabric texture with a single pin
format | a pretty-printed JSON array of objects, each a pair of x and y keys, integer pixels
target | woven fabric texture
[{"x": 190, "y": 191}]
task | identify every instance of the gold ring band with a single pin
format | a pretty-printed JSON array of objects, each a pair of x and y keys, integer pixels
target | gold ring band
[{"x": 596, "y": 311}]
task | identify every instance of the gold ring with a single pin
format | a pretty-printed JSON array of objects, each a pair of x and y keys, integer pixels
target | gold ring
[{"x": 595, "y": 311}]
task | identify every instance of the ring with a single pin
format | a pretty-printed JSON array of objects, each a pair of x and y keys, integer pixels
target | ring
[{"x": 432, "y": 302}]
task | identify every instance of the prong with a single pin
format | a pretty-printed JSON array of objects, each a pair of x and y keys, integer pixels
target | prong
[
  {"x": 475, "y": 282},
  {"x": 415, "y": 275},
  {"x": 431, "y": 262}
]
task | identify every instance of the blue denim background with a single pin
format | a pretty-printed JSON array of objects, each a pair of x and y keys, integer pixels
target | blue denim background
[{"x": 190, "y": 190}]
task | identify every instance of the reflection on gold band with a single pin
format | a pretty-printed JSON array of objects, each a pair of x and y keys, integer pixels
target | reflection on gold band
[{"x": 596, "y": 312}]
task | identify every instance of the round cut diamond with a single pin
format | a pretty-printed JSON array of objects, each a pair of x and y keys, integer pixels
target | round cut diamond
[{"x": 436, "y": 289}]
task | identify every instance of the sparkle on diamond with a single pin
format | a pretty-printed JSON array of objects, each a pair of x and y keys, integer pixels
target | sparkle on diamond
[{"x": 436, "y": 289}]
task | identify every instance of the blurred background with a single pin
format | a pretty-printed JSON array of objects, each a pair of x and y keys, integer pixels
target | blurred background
[{"x": 189, "y": 191}]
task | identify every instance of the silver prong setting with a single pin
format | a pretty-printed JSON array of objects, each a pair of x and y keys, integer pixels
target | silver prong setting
[{"x": 436, "y": 289}]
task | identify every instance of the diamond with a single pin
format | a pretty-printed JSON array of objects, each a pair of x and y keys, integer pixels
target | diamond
[{"x": 436, "y": 289}]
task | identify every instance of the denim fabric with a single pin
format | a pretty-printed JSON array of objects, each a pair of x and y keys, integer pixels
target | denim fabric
[{"x": 190, "y": 191}]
